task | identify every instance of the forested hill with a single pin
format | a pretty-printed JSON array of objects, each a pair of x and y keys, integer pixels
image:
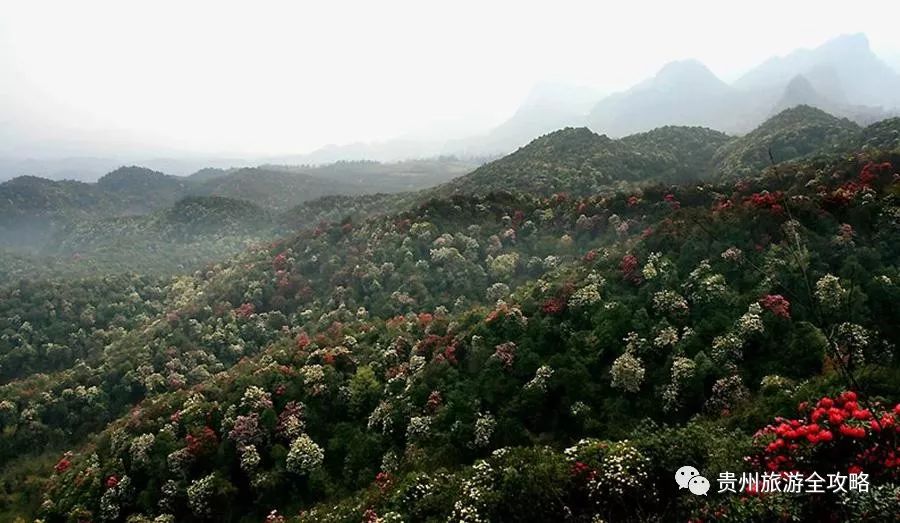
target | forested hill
[
  {"x": 580, "y": 162},
  {"x": 512, "y": 346}
]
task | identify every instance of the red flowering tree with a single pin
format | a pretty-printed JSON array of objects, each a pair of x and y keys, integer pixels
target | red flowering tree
[
  {"x": 629, "y": 268},
  {"x": 554, "y": 306},
  {"x": 777, "y": 305},
  {"x": 837, "y": 434},
  {"x": 202, "y": 441}
]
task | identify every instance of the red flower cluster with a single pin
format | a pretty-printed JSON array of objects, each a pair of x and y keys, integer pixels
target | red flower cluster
[
  {"x": 633, "y": 200},
  {"x": 435, "y": 400},
  {"x": 836, "y": 429},
  {"x": 843, "y": 195},
  {"x": 776, "y": 304},
  {"x": 560, "y": 197},
  {"x": 112, "y": 482},
  {"x": 506, "y": 353},
  {"x": 590, "y": 256},
  {"x": 245, "y": 310},
  {"x": 62, "y": 465},
  {"x": 449, "y": 354},
  {"x": 202, "y": 441},
  {"x": 383, "y": 480},
  {"x": 765, "y": 200},
  {"x": 722, "y": 204},
  {"x": 554, "y": 306},
  {"x": 628, "y": 266},
  {"x": 518, "y": 217},
  {"x": 872, "y": 170},
  {"x": 425, "y": 318},
  {"x": 279, "y": 262},
  {"x": 672, "y": 201},
  {"x": 582, "y": 470}
]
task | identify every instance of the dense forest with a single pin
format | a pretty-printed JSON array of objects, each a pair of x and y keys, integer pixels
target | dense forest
[{"x": 547, "y": 338}]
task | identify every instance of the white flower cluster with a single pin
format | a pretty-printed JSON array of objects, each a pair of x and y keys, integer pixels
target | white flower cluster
[
  {"x": 830, "y": 292},
  {"x": 733, "y": 255},
  {"x": 497, "y": 291},
  {"x": 199, "y": 493},
  {"x": 449, "y": 256},
  {"x": 484, "y": 429},
  {"x": 249, "y": 459},
  {"x": 751, "y": 321},
  {"x": 703, "y": 285},
  {"x": 635, "y": 344},
  {"x": 683, "y": 370},
  {"x": 380, "y": 418},
  {"x": 167, "y": 494},
  {"x": 540, "y": 379},
  {"x": 579, "y": 409},
  {"x": 419, "y": 427},
  {"x": 503, "y": 266},
  {"x": 304, "y": 456},
  {"x": 727, "y": 393},
  {"x": 623, "y": 471},
  {"x": 256, "y": 399},
  {"x": 575, "y": 450},
  {"x": 627, "y": 372},
  {"x": 111, "y": 500},
  {"x": 775, "y": 383},
  {"x": 140, "y": 450},
  {"x": 669, "y": 302},
  {"x": 851, "y": 340},
  {"x": 667, "y": 337},
  {"x": 551, "y": 262},
  {"x": 585, "y": 296},
  {"x": 313, "y": 378},
  {"x": 422, "y": 230},
  {"x": 727, "y": 348},
  {"x": 179, "y": 460},
  {"x": 655, "y": 266},
  {"x": 470, "y": 506}
]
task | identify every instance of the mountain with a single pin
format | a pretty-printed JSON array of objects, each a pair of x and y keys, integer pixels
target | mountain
[
  {"x": 271, "y": 188},
  {"x": 793, "y": 133},
  {"x": 580, "y": 162},
  {"x": 407, "y": 175},
  {"x": 450, "y": 361},
  {"x": 191, "y": 233},
  {"x": 385, "y": 151},
  {"x": 85, "y": 169},
  {"x": 33, "y": 209},
  {"x": 681, "y": 93},
  {"x": 843, "y": 77},
  {"x": 844, "y": 69},
  {"x": 883, "y": 135},
  {"x": 548, "y": 107},
  {"x": 800, "y": 91}
]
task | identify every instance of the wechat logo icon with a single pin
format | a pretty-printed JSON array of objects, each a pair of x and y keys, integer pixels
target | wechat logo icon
[{"x": 689, "y": 477}]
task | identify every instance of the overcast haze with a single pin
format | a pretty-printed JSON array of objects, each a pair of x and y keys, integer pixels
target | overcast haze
[{"x": 242, "y": 78}]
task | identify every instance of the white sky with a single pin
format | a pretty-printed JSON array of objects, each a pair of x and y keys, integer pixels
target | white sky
[{"x": 268, "y": 77}]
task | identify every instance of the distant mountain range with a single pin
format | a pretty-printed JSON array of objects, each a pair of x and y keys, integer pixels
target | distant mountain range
[
  {"x": 843, "y": 77},
  {"x": 33, "y": 208}
]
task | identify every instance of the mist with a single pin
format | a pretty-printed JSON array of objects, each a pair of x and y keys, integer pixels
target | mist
[{"x": 89, "y": 86}]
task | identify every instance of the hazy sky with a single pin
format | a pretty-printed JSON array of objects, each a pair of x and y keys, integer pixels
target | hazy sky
[{"x": 287, "y": 77}]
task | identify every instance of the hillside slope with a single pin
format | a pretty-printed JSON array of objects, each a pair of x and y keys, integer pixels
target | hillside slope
[
  {"x": 358, "y": 370},
  {"x": 791, "y": 134},
  {"x": 580, "y": 162}
]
